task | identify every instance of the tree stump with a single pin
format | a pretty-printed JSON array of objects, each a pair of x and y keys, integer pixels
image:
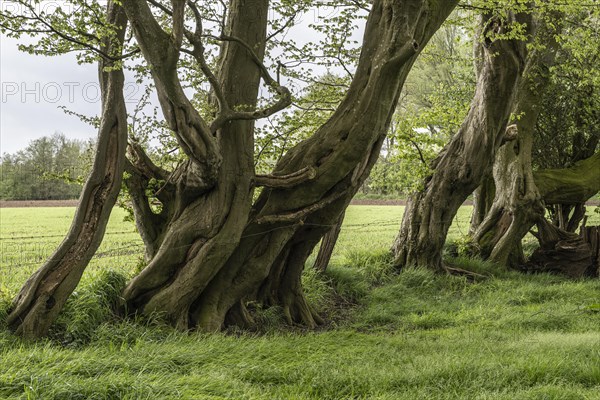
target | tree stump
[
  {"x": 591, "y": 236},
  {"x": 560, "y": 252}
]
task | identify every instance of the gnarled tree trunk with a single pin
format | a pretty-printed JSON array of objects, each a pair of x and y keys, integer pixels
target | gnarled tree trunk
[
  {"x": 521, "y": 205},
  {"x": 458, "y": 170},
  {"x": 200, "y": 224},
  {"x": 328, "y": 245},
  {"x": 46, "y": 291},
  {"x": 211, "y": 249},
  {"x": 576, "y": 184},
  {"x": 517, "y": 203},
  {"x": 561, "y": 250},
  {"x": 215, "y": 250},
  {"x": 483, "y": 198}
]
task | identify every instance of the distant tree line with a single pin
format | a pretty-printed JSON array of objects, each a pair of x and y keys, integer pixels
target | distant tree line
[{"x": 49, "y": 168}]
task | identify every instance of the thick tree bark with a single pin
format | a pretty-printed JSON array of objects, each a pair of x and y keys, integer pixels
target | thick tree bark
[
  {"x": 560, "y": 252},
  {"x": 576, "y": 184},
  {"x": 458, "y": 170},
  {"x": 44, "y": 294},
  {"x": 327, "y": 245},
  {"x": 517, "y": 204},
  {"x": 219, "y": 250},
  {"x": 197, "y": 231},
  {"x": 483, "y": 198}
]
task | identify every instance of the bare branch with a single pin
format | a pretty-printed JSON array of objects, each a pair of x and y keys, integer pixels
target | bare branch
[
  {"x": 141, "y": 161},
  {"x": 420, "y": 152},
  {"x": 263, "y": 69},
  {"x": 286, "y": 181},
  {"x": 285, "y": 25},
  {"x": 297, "y": 216},
  {"x": 160, "y": 7},
  {"x": 195, "y": 39},
  {"x": 285, "y": 96},
  {"x": 192, "y": 132}
]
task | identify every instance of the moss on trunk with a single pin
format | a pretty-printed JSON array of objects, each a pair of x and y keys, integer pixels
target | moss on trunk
[
  {"x": 215, "y": 255},
  {"x": 462, "y": 164},
  {"x": 44, "y": 294}
]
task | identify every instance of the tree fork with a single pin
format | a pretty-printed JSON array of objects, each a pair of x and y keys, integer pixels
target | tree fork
[
  {"x": 459, "y": 168},
  {"x": 209, "y": 281},
  {"x": 205, "y": 230},
  {"x": 518, "y": 203}
]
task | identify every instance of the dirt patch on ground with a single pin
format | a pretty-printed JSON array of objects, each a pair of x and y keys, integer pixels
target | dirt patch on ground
[
  {"x": 73, "y": 203},
  {"x": 37, "y": 203},
  {"x": 373, "y": 202},
  {"x": 387, "y": 202}
]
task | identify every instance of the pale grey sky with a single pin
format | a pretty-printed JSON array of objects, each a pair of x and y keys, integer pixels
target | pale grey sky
[{"x": 34, "y": 87}]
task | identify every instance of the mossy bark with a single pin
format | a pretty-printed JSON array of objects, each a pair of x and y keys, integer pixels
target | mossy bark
[
  {"x": 328, "y": 245},
  {"x": 44, "y": 294},
  {"x": 220, "y": 250},
  {"x": 517, "y": 203},
  {"x": 462, "y": 164},
  {"x": 576, "y": 184}
]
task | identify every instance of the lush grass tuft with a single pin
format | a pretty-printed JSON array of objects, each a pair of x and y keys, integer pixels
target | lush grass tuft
[
  {"x": 92, "y": 304},
  {"x": 5, "y": 302},
  {"x": 375, "y": 266}
]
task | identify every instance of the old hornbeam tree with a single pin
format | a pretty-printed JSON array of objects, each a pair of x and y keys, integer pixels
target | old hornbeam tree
[
  {"x": 517, "y": 203},
  {"x": 468, "y": 157},
  {"x": 520, "y": 192},
  {"x": 210, "y": 247}
]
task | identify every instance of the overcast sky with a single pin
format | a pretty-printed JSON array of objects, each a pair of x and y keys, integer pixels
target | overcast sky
[{"x": 33, "y": 88}]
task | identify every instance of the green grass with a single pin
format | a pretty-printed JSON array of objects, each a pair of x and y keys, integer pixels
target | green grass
[
  {"x": 413, "y": 335},
  {"x": 28, "y": 236}
]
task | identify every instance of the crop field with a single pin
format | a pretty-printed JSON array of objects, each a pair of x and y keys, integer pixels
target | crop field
[
  {"x": 29, "y": 235},
  {"x": 408, "y": 335}
]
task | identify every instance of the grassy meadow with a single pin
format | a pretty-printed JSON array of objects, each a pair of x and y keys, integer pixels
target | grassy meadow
[{"x": 412, "y": 335}]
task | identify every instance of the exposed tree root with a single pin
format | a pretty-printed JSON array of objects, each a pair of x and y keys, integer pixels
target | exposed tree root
[
  {"x": 470, "y": 275},
  {"x": 560, "y": 252}
]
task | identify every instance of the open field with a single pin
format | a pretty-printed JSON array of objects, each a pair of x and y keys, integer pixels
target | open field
[
  {"x": 30, "y": 235},
  {"x": 411, "y": 335}
]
